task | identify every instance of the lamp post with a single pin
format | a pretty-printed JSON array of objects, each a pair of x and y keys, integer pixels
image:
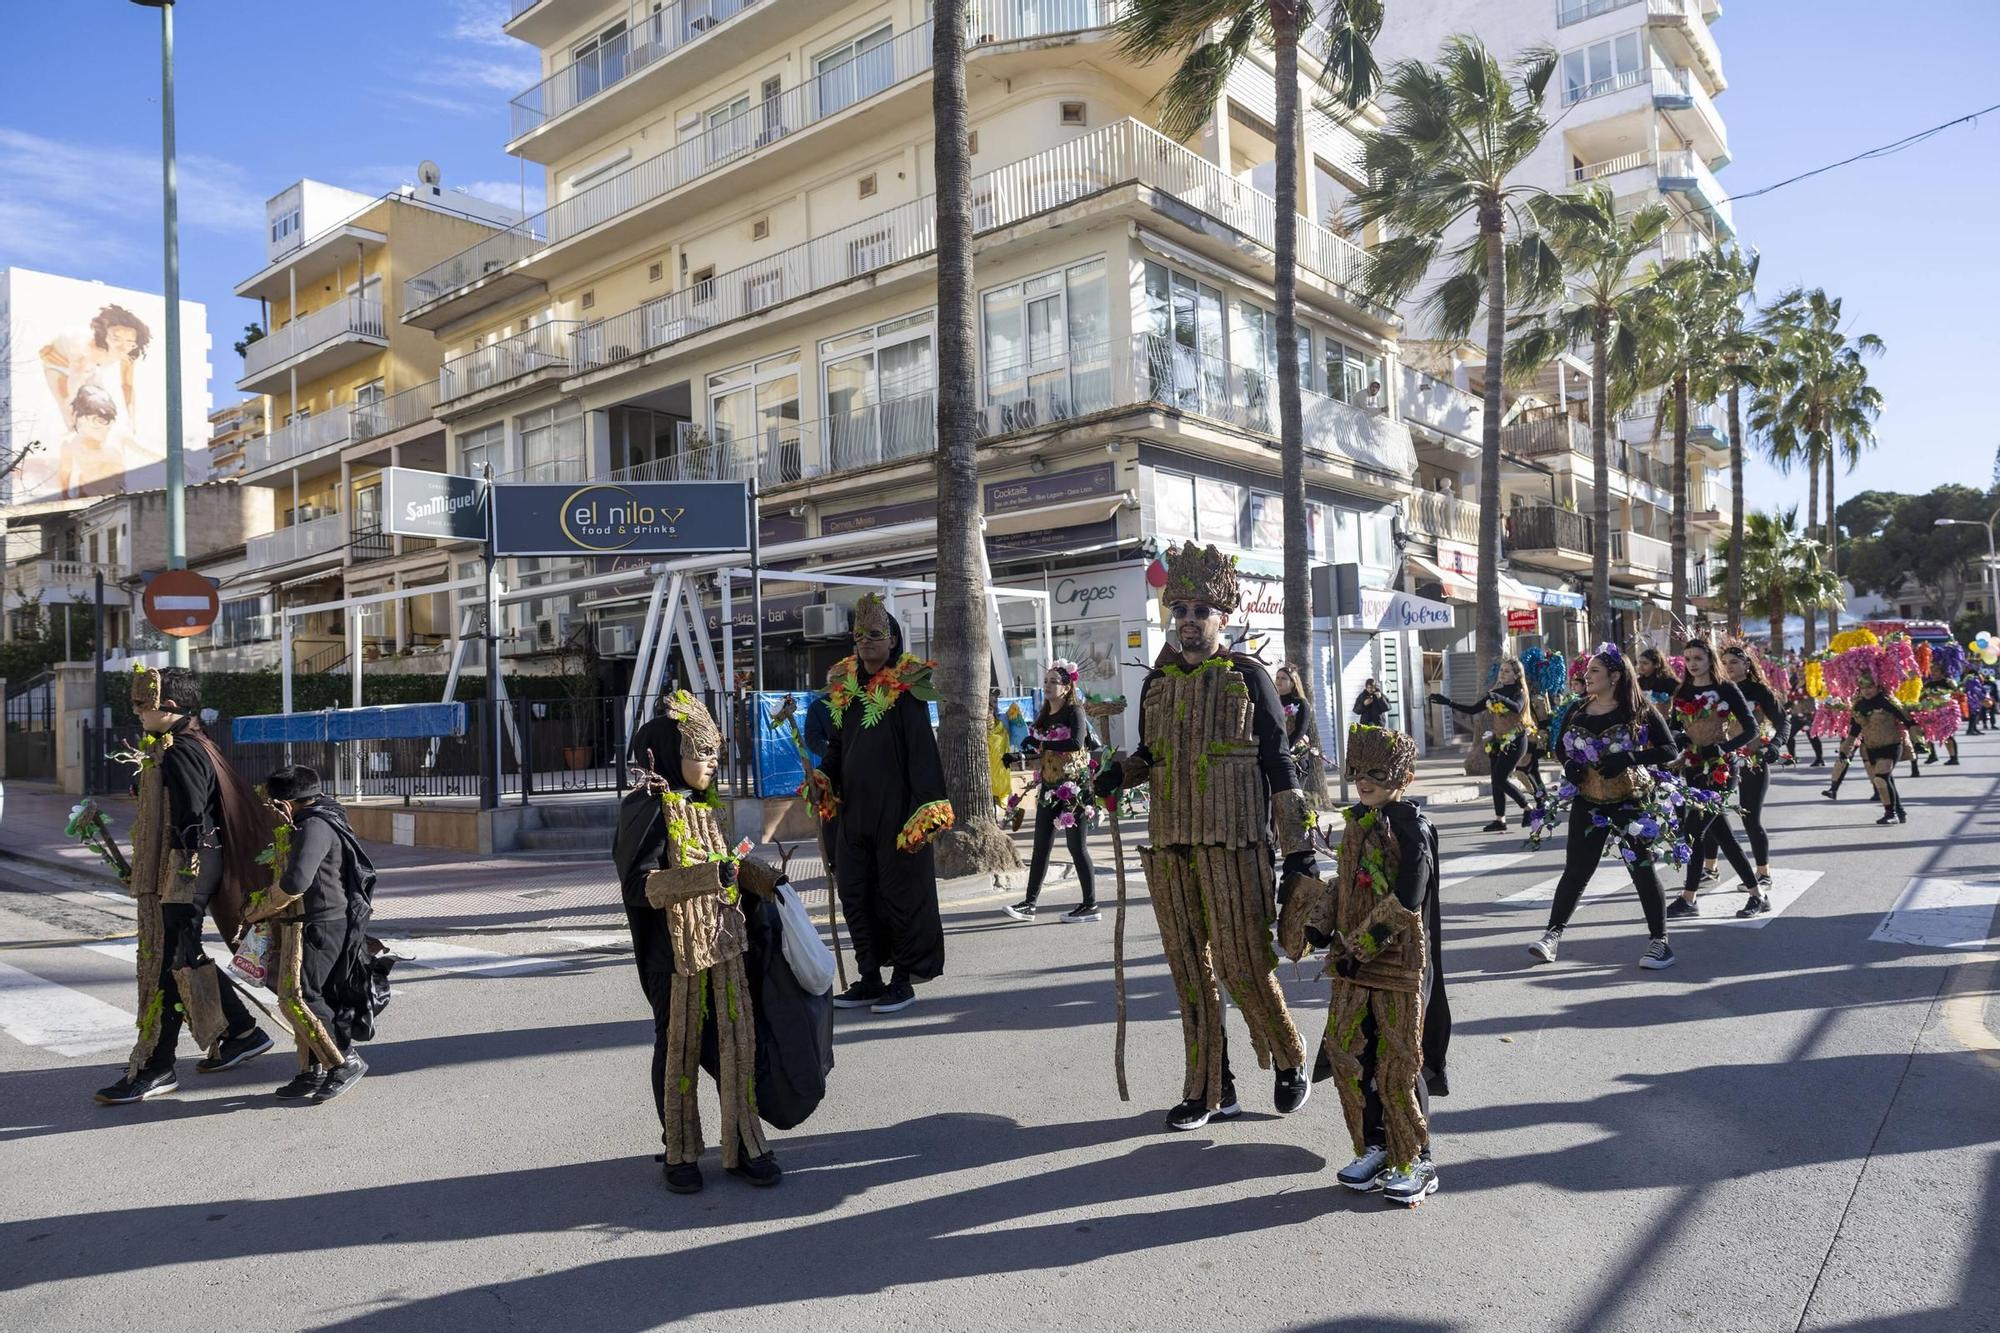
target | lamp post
[
  {"x": 1992, "y": 560},
  {"x": 176, "y": 479}
]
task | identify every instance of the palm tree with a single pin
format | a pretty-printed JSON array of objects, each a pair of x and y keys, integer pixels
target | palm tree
[
  {"x": 1602, "y": 301},
  {"x": 1455, "y": 134},
  {"x": 1211, "y": 38},
  {"x": 1782, "y": 569},
  {"x": 1815, "y": 402},
  {"x": 960, "y": 636}
]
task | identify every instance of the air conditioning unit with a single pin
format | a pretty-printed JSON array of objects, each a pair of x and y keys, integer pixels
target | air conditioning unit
[
  {"x": 617, "y": 640},
  {"x": 825, "y": 622},
  {"x": 700, "y": 25}
]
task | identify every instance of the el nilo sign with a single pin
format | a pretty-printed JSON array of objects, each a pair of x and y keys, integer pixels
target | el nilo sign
[{"x": 664, "y": 518}]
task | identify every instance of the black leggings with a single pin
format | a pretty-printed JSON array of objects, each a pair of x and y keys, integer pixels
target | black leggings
[
  {"x": 1798, "y": 725},
  {"x": 1583, "y": 850},
  {"x": 1706, "y": 831},
  {"x": 1750, "y": 794},
  {"x": 1891, "y": 754},
  {"x": 1079, "y": 853},
  {"x": 1505, "y": 758}
]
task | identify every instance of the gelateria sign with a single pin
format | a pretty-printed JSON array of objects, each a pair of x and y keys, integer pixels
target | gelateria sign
[{"x": 660, "y": 518}]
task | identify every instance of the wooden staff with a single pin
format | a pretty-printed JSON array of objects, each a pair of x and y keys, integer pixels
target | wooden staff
[
  {"x": 784, "y": 717},
  {"x": 1103, "y": 709}
]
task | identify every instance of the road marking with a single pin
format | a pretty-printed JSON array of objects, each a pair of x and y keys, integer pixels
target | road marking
[
  {"x": 607, "y": 940},
  {"x": 68, "y": 1022},
  {"x": 1787, "y": 887},
  {"x": 452, "y": 958},
  {"x": 127, "y": 951},
  {"x": 1942, "y": 914},
  {"x": 1464, "y": 868}
]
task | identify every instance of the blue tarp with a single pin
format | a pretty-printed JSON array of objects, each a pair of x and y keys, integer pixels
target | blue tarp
[
  {"x": 778, "y": 770},
  {"x": 391, "y": 722},
  {"x": 275, "y": 727}
]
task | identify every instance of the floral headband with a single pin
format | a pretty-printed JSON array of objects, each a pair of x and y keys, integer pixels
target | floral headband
[
  {"x": 1609, "y": 652},
  {"x": 1067, "y": 669}
]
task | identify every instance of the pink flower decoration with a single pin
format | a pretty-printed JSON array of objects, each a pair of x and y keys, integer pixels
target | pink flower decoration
[{"x": 1066, "y": 820}]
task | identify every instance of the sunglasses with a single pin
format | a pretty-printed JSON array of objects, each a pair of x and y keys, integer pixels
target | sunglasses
[{"x": 1191, "y": 611}]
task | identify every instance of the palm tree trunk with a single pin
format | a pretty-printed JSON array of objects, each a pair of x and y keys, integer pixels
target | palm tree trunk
[
  {"x": 1776, "y": 610},
  {"x": 959, "y": 639},
  {"x": 1291, "y": 413},
  {"x": 1832, "y": 551},
  {"x": 1678, "y": 585},
  {"x": 1810, "y": 614},
  {"x": 1736, "y": 511},
  {"x": 1600, "y": 478},
  {"x": 1487, "y": 619}
]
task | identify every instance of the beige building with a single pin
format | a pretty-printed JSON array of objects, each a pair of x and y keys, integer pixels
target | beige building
[
  {"x": 735, "y": 277},
  {"x": 232, "y": 428}
]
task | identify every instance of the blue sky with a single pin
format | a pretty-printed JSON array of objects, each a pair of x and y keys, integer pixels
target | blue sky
[{"x": 358, "y": 92}]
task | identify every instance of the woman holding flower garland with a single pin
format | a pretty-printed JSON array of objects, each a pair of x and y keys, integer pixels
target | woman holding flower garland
[
  {"x": 1754, "y": 784},
  {"x": 1716, "y": 724},
  {"x": 1880, "y": 727},
  {"x": 1513, "y": 724},
  {"x": 1060, "y": 740},
  {"x": 1608, "y": 741}
]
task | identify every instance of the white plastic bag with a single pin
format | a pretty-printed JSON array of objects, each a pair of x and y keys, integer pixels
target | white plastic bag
[{"x": 811, "y": 960}]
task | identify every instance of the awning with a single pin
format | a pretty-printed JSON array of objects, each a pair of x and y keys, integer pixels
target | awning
[
  {"x": 1562, "y": 598},
  {"x": 1513, "y": 594},
  {"x": 1067, "y": 514},
  {"x": 1518, "y": 596},
  {"x": 1626, "y": 603}
]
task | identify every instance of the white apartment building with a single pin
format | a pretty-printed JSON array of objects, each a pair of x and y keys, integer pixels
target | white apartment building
[{"x": 735, "y": 277}]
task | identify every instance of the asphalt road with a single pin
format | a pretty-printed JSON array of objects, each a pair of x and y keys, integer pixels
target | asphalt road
[{"x": 1798, "y": 1127}]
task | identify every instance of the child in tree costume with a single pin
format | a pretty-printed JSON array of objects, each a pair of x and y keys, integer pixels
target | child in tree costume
[
  {"x": 1212, "y": 746},
  {"x": 883, "y": 774},
  {"x": 195, "y": 837},
  {"x": 1388, "y": 1026}
]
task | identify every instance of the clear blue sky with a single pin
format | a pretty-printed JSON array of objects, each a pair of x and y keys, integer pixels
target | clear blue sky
[{"x": 358, "y": 92}]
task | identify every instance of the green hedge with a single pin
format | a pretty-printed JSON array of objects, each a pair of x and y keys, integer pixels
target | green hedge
[{"x": 248, "y": 693}]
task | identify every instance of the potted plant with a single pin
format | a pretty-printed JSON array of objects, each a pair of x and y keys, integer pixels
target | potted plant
[{"x": 576, "y": 667}]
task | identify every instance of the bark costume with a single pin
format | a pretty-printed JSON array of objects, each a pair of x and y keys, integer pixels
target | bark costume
[
  {"x": 1212, "y": 746},
  {"x": 187, "y": 862},
  {"x": 883, "y": 769},
  {"x": 1387, "y": 1027}
]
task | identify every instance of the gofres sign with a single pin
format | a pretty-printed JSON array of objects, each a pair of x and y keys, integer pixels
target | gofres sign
[
  {"x": 1384, "y": 610},
  {"x": 630, "y": 518}
]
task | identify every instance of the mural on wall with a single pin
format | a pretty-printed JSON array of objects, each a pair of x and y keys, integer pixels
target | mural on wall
[{"x": 87, "y": 379}]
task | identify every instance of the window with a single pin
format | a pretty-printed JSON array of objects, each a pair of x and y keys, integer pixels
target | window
[
  {"x": 854, "y": 70},
  {"x": 654, "y": 271},
  {"x": 1046, "y": 345},
  {"x": 753, "y": 412},
  {"x": 868, "y": 186},
  {"x": 760, "y": 230},
  {"x": 704, "y": 283},
  {"x": 878, "y": 386},
  {"x": 598, "y": 63},
  {"x": 1254, "y": 350},
  {"x": 477, "y": 448},
  {"x": 1072, "y": 113},
  {"x": 1602, "y": 67},
  {"x": 1182, "y": 322},
  {"x": 589, "y": 300},
  {"x": 1218, "y": 511},
  {"x": 1173, "y": 504},
  {"x": 552, "y": 443},
  {"x": 369, "y": 394},
  {"x": 726, "y": 129},
  {"x": 1267, "y": 522},
  {"x": 773, "y": 113},
  {"x": 1349, "y": 372}
]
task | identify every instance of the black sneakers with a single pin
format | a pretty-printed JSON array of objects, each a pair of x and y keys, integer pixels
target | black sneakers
[
  {"x": 1659, "y": 954},
  {"x": 762, "y": 1171},
  {"x": 304, "y": 1083},
  {"x": 340, "y": 1078},
  {"x": 144, "y": 1086},
  {"x": 1364, "y": 1175},
  {"x": 861, "y": 994},
  {"x": 900, "y": 995},
  {"x": 235, "y": 1051},
  {"x": 684, "y": 1178},
  {"x": 1021, "y": 911},
  {"x": 1497, "y": 826},
  {"x": 1290, "y": 1090},
  {"x": 1888, "y": 817},
  {"x": 1081, "y": 913},
  {"x": 1682, "y": 907},
  {"x": 1757, "y": 906},
  {"x": 1194, "y": 1112}
]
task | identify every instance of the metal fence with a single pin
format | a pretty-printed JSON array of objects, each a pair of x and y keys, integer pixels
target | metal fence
[{"x": 31, "y": 729}]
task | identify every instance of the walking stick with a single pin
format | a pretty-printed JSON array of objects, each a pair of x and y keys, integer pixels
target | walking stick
[
  {"x": 1107, "y": 708},
  {"x": 785, "y": 717}
]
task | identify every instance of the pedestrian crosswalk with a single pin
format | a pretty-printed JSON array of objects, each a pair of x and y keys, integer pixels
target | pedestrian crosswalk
[
  {"x": 1787, "y": 887},
  {"x": 1942, "y": 914},
  {"x": 38, "y": 1012},
  {"x": 439, "y": 956}
]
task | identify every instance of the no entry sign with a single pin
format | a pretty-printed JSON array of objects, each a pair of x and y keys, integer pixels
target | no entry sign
[{"x": 181, "y": 602}]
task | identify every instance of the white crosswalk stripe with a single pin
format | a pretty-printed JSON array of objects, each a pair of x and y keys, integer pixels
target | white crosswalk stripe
[
  {"x": 42, "y": 1013},
  {"x": 127, "y": 951},
  {"x": 1459, "y": 869},
  {"x": 1787, "y": 887},
  {"x": 441, "y": 957},
  {"x": 612, "y": 939},
  {"x": 1942, "y": 914}
]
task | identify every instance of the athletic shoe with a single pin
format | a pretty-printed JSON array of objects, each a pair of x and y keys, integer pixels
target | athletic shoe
[
  {"x": 1951, "y": 762},
  {"x": 1290, "y": 1090},
  {"x": 900, "y": 996},
  {"x": 235, "y": 1051},
  {"x": 1757, "y": 906},
  {"x": 1080, "y": 914},
  {"x": 304, "y": 1083},
  {"x": 1831, "y": 793},
  {"x": 761, "y": 1171},
  {"x": 1902, "y": 815},
  {"x": 1659, "y": 954},
  {"x": 1413, "y": 1186},
  {"x": 340, "y": 1078},
  {"x": 1682, "y": 907},
  {"x": 1497, "y": 826},
  {"x": 1364, "y": 1175},
  {"x": 142, "y": 1087},
  {"x": 1710, "y": 875},
  {"x": 861, "y": 994},
  {"x": 1021, "y": 911},
  {"x": 1527, "y": 817},
  {"x": 1545, "y": 947},
  {"x": 684, "y": 1178},
  {"x": 1888, "y": 817},
  {"x": 1194, "y": 1112},
  {"x": 1763, "y": 882}
]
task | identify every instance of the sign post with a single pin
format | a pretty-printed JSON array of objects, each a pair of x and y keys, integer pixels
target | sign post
[{"x": 490, "y": 742}]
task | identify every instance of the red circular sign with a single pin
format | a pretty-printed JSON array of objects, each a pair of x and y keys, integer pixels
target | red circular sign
[{"x": 181, "y": 602}]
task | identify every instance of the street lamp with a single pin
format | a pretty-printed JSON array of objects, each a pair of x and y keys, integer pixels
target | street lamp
[
  {"x": 176, "y": 480},
  {"x": 1992, "y": 560}
]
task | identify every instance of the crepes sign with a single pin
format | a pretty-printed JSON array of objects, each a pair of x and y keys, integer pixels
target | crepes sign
[{"x": 660, "y": 518}]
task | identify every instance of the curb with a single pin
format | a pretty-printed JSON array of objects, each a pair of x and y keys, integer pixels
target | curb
[
  {"x": 92, "y": 870},
  {"x": 1463, "y": 794}
]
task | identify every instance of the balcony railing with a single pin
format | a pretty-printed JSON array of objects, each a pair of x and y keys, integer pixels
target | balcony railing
[
  {"x": 1687, "y": 14},
  {"x": 1572, "y": 93},
  {"x": 651, "y": 34},
  {"x": 1549, "y": 435},
  {"x": 318, "y": 536},
  {"x": 1702, "y": 417},
  {"x": 1610, "y": 166},
  {"x": 1125, "y": 151},
  {"x": 540, "y": 348},
  {"x": 1445, "y": 516},
  {"x": 396, "y": 412},
  {"x": 1548, "y": 528},
  {"x": 1576, "y": 11},
  {"x": 1445, "y": 408},
  {"x": 1635, "y": 550},
  {"x": 351, "y": 318},
  {"x": 298, "y": 440},
  {"x": 1680, "y": 165}
]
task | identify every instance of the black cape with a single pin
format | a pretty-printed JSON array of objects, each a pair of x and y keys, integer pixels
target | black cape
[{"x": 359, "y": 984}]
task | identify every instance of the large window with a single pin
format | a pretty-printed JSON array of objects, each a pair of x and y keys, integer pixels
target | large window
[
  {"x": 726, "y": 129},
  {"x": 1349, "y": 372},
  {"x": 854, "y": 70},
  {"x": 478, "y": 448},
  {"x": 1046, "y": 338},
  {"x": 552, "y": 444},
  {"x": 1197, "y": 508},
  {"x": 598, "y": 63},
  {"x": 1602, "y": 67},
  {"x": 878, "y": 386},
  {"x": 1185, "y": 333},
  {"x": 753, "y": 412}
]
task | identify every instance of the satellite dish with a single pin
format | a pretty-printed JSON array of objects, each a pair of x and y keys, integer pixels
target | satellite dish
[{"x": 428, "y": 173}]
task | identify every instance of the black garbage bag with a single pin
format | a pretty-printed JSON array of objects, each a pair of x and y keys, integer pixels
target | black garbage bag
[{"x": 794, "y": 1028}]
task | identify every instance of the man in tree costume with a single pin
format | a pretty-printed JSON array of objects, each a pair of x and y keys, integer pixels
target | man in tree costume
[
  {"x": 196, "y": 834},
  {"x": 882, "y": 772},
  {"x": 1388, "y": 1025},
  {"x": 1212, "y": 746},
  {"x": 683, "y": 886}
]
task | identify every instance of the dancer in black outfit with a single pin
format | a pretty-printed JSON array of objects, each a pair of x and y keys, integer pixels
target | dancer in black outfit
[
  {"x": 1302, "y": 730},
  {"x": 1880, "y": 727},
  {"x": 1613, "y": 721},
  {"x": 1059, "y": 739},
  {"x": 1716, "y": 725},
  {"x": 1799, "y": 712},
  {"x": 1657, "y": 680},
  {"x": 1507, "y": 701},
  {"x": 1754, "y": 782}
]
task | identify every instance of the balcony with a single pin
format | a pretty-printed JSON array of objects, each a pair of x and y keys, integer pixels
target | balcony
[
  {"x": 542, "y": 348},
  {"x": 320, "y": 539},
  {"x": 1125, "y": 152},
  {"x": 372, "y": 543},
  {"x": 399, "y": 411},
  {"x": 1642, "y": 558},
  {"x": 1682, "y": 173},
  {"x": 296, "y": 444},
  {"x": 1442, "y": 409},
  {"x": 1445, "y": 517},
  {"x": 55, "y": 581},
  {"x": 1689, "y": 26},
  {"x": 1674, "y": 89},
  {"x": 314, "y": 345},
  {"x": 642, "y": 198},
  {"x": 1655, "y": 409},
  {"x": 1551, "y": 536}
]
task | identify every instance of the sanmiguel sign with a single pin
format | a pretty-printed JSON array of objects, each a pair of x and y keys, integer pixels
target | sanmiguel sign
[
  {"x": 416, "y": 503},
  {"x": 622, "y": 518}
]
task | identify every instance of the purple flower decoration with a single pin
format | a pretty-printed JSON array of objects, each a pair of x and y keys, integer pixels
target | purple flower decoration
[
  {"x": 1566, "y": 791},
  {"x": 1066, "y": 792},
  {"x": 1683, "y": 850},
  {"x": 1066, "y": 820},
  {"x": 1598, "y": 821},
  {"x": 1649, "y": 828},
  {"x": 1627, "y": 855}
]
